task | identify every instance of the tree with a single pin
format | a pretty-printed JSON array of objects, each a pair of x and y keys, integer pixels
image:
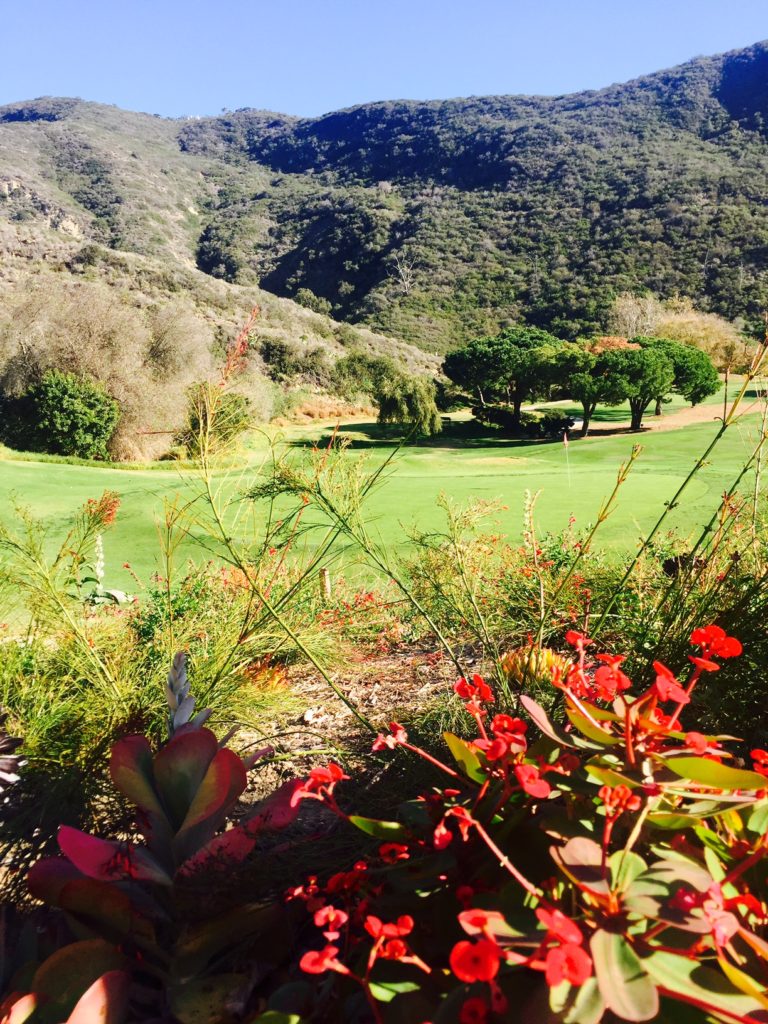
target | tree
[
  {"x": 633, "y": 315},
  {"x": 70, "y": 415},
  {"x": 513, "y": 366},
  {"x": 409, "y": 400},
  {"x": 401, "y": 398},
  {"x": 587, "y": 377},
  {"x": 637, "y": 376},
  {"x": 695, "y": 376}
]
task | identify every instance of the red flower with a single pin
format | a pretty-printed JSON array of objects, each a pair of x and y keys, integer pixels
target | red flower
[
  {"x": 531, "y": 781},
  {"x": 320, "y": 784},
  {"x": 377, "y": 928},
  {"x": 577, "y": 640},
  {"x": 477, "y": 921},
  {"x": 559, "y": 926},
  {"x": 393, "y": 852},
  {"x": 760, "y": 757},
  {"x": 494, "y": 750},
  {"x": 320, "y": 961},
  {"x": 704, "y": 664},
  {"x": 478, "y": 689},
  {"x": 506, "y": 726},
  {"x": 332, "y": 919},
  {"x": 393, "y": 949},
  {"x": 473, "y": 1011},
  {"x": 697, "y": 742},
  {"x": 609, "y": 679},
  {"x": 568, "y": 962},
  {"x": 475, "y": 961},
  {"x": 397, "y": 736},
  {"x": 667, "y": 686},
  {"x": 618, "y": 799},
  {"x": 714, "y": 641}
]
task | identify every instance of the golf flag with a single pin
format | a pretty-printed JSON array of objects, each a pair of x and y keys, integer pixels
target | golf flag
[{"x": 565, "y": 438}]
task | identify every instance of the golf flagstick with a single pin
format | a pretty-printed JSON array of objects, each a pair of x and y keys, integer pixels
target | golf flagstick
[{"x": 567, "y": 456}]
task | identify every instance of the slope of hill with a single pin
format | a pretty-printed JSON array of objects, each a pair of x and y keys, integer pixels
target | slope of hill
[{"x": 425, "y": 220}]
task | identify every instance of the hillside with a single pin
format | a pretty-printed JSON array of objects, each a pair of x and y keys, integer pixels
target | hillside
[{"x": 424, "y": 220}]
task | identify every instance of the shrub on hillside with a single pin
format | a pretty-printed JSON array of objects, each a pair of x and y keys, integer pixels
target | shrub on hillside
[
  {"x": 65, "y": 414},
  {"x": 214, "y": 418}
]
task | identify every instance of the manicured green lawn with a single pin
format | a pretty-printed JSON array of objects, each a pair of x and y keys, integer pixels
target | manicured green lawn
[{"x": 460, "y": 464}]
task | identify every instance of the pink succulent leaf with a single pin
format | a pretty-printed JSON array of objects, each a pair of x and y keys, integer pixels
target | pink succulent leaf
[
  {"x": 105, "y": 1002},
  {"x": 105, "y": 859}
]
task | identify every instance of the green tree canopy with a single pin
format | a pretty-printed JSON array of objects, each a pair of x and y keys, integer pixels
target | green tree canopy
[
  {"x": 512, "y": 366},
  {"x": 695, "y": 375},
  {"x": 637, "y": 375}
]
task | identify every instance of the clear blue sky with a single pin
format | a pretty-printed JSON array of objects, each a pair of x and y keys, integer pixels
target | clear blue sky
[{"x": 307, "y": 57}]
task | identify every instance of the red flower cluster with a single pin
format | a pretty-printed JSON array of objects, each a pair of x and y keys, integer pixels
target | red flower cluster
[
  {"x": 320, "y": 784},
  {"x": 714, "y": 642}
]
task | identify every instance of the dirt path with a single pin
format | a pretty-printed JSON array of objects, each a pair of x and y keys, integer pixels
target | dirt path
[{"x": 674, "y": 420}]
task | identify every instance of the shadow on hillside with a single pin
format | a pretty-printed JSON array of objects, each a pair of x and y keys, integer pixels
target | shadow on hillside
[{"x": 459, "y": 435}]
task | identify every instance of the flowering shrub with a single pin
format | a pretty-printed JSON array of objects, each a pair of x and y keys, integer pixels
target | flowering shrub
[{"x": 610, "y": 868}]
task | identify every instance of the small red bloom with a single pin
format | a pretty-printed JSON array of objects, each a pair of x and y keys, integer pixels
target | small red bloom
[
  {"x": 475, "y": 961},
  {"x": 704, "y": 664},
  {"x": 530, "y": 780},
  {"x": 667, "y": 686},
  {"x": 714, "y": 641},
  {"x": 320, "y": 961},
  {"x": 478, "y": 689},
  {"x": 320, "y": 784},
  {"x": 577, "y": 640},
  {"x": 332, "y": 919},
  {"x": 697, "y": 742},
  {"x": 609, "y": 679},
  {"x": 477, "y": 921},
  {"x": 569, "y": 963},
  {"x": 473, "y": 1011},
  {"x": 397, "y": 736},
  {"x": 506, "y": 726},
  {"x": 618, "y": 799},
  {"x": 559, "y": 926},
  {"x": 393, "y": 852},
  {"x": 377, "y": 928},
  {"x": 760, "y": 757}
]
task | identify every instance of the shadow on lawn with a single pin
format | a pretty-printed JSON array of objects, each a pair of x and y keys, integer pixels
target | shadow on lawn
[{"x": 461, "y": 435}]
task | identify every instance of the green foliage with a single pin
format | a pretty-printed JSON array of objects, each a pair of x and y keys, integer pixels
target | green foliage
[
  {"x": 215, "y": 418},
  {"x": 637, "y": 376},
  {"x": 695, "y": 375},
  {"x": 515, "y": 365},
  {"x": 401, "y": 397},
  {"x": 309, "y": 300},
  {"x": 65, "y": 414}
]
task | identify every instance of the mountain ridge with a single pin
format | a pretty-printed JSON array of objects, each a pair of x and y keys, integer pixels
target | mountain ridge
[{"x": 426, "y": 220}]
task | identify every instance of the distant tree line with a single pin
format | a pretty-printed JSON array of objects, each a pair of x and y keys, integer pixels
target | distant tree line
[{"x": 525, "y": 364}]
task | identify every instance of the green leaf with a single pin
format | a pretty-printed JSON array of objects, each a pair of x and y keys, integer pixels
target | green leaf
[
  {"x": 105, "y": 1002},
  {"x": 180, "y": 768},
  {"x": 581, "y": 859},
  {"x": 625, "y": 867},
  {"x": 63, "y": 978},
  {"x": 385, "y": 991},
  {"x": 203, "y": 1000},
  {"x": 588, "y": 1006},
  {"x": 590, "y": 730},
  {"x": 758, "y": 818},
  {"x": 540, "y": 718},
  {"x": 609, "y": 777},
  {"x": 710, "y": 773},
  {"x": 275, "y": 1017},
  {"x": 682, "y": 977},
  {"x": 625, "y": 985},
  {"x": 391, "y": 830},
  {"x": 465, "y": 757}
]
